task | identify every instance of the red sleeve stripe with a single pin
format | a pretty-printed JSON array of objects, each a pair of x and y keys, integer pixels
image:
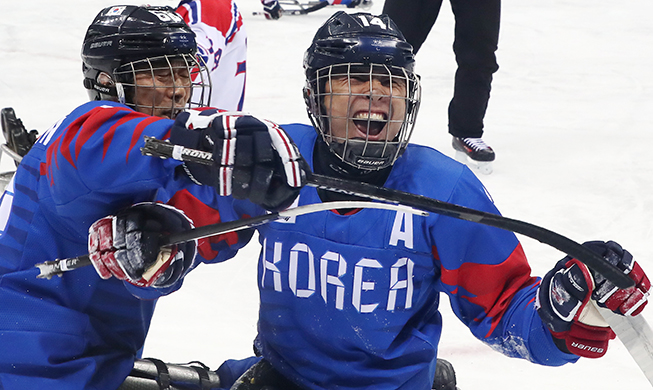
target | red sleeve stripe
[
  {"x": 202, "y": 215},
  {"x": 138, "y": 131},
  {"x": 491, "y": 286},
  {"x": 108, "y": 136}
]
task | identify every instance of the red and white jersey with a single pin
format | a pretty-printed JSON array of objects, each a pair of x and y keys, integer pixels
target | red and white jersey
[{"x": 222, "y": 43}]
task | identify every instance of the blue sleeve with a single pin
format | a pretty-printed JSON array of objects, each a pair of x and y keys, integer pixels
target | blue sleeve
[
  {"x": 77, "y": 326},
  {"x": 488, "y": 279},
  {"x": 94, "y": 165}
]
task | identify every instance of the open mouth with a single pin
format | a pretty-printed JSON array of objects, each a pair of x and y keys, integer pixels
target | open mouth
[{"x": 370, "y": 123}]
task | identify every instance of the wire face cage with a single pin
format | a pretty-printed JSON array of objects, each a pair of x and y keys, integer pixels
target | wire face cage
[
  {"x": 164, "y": 85},
  {"x": 364, "y": 112}
]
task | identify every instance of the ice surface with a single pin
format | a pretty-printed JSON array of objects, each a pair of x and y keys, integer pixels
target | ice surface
[{"x": 569, "y": 119}]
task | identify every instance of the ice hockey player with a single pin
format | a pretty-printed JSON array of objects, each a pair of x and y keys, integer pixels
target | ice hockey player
[
  {"x": 221, "y": 42},
  {"x": 81, "y": 331},
  {"x": 350, "y": 300}
]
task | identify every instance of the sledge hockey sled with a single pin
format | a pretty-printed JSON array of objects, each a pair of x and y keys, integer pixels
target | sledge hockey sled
[
  {"x": 18, "y": 141},
  {"x": 153, "y": 374}
]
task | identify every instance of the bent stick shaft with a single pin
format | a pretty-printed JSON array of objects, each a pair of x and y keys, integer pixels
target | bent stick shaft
[
  {"x": 57, "y": 267},
  {"x": 164, "y": 149}
]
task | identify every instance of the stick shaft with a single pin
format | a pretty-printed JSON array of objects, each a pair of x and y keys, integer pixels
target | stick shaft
[
  {"x": 58, "y": 267},
  {"x": 555, "y": 240},
  {"x": 163, "y": 149}
]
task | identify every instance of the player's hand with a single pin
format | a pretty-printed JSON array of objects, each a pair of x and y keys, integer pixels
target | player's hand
[
  {"x": 565, "y": 292},
  {"x": 627, "y": 302},
  {"x": 127, "y": 245},
  {"x": 272, "y": 9},
  {"x": 252, "y": 158}
]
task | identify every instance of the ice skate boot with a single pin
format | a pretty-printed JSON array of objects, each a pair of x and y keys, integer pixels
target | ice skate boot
[
  {"x": 474, "y": 149},
  {"x": 445, "y": 376}
]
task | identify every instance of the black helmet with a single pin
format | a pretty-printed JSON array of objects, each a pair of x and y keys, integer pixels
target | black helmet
[
  {"x": 126, "y": 38},
  {"x": 365, "y": 46},
  {"x": 358, "y": 38}
]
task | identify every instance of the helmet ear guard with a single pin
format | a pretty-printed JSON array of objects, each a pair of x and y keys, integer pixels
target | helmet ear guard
[{"x": 103, "y": 87}]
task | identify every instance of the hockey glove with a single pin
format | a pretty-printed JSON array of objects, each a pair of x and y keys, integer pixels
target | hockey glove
[
  {"x": 252, "y": 158},
  {"x": 272, "y": 9},
  {"x": 564, "y": 294},
  {"x": 127, "y": 245}
]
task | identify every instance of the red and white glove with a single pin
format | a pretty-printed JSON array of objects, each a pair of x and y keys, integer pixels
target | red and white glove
[
  {"x": 565, "y": 292},
  {"x": 127, "y": 245}
]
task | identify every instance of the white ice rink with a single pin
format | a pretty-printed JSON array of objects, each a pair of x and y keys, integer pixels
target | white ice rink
[{"x": 570, "y": 120}]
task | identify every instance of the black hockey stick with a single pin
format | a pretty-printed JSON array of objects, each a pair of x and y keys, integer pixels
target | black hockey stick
[
  {"x": 300, "y": 11},
  {"x": 164, "y": 149},
  {"x": 57, "y": 267}
]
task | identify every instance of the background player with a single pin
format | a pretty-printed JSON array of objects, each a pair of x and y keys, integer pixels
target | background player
[
  {"x": 351, "y": 300},
  {"x": 222, "y": 44}
]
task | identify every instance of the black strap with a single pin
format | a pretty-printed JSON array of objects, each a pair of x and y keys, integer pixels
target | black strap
[
  {"x": 205, "y": 380},
  {"x": 163, "y": 376},
  {"x": 205, "y": 383}
]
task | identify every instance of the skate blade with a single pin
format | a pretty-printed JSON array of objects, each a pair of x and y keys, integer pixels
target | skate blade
[{"x": 482, "y": 167}]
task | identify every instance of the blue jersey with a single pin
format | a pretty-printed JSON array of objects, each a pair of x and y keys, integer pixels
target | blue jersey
[
  {"x": 351, "y": 301},
  {"x": 77, "y": 331}
]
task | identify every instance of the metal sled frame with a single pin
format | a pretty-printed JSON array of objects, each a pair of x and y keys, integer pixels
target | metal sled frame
[
  {"x": 18, "y": 141},
  {"x": 295, "y": 7}
]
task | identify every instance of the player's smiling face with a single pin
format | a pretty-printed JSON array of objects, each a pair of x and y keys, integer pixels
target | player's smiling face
[
  {"x": 365, "y": 109},
  {"x": 162, "y": 91}
]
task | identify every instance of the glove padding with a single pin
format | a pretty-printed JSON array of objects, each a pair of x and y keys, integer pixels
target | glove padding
[
  {"x": 627, "y": 302},
  {"x": 252, "y": 158},
  {"x": 272, "y": 10},
  {"x": 565, "y": 292},
  {"x": 127, "y": 245}
]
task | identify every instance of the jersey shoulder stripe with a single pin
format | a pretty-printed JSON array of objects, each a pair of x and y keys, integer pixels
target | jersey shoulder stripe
[{"x": 77, "y": 130}]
